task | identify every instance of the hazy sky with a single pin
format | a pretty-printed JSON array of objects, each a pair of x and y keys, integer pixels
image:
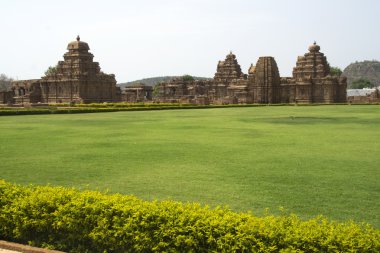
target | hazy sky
[{"x": 146, "y": 38}]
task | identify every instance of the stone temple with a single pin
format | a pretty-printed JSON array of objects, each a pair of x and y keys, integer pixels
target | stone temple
[
  {"x": 311, "y": 83},
  {"x": 76, "y": 79}
]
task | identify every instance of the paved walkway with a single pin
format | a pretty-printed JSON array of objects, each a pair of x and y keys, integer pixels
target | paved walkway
[{"x": 10, "y": 247}]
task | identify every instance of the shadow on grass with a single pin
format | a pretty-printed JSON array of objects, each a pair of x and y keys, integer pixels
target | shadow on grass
[{"x": 311, "y": 120}]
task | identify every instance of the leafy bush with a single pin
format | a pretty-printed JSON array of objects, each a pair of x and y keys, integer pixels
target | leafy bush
[{"x": 88, "y": 221}]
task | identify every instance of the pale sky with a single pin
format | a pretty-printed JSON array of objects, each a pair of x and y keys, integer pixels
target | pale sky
[{"x": 146, "y": 38}]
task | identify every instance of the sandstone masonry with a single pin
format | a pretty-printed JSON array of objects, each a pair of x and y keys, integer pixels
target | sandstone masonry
[
  {"x": 76, "y": 79},
  {"x": 311, "y": 83}
]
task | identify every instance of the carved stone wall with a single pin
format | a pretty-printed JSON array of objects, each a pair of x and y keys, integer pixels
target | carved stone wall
[
  {"x": 27, "y": 91},
  {"x": 186, "y": 91},
  {"x": 137, "y": 93}
]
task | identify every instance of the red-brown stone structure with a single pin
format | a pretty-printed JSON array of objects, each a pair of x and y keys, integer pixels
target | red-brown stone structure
[
  {"x": 76, "y": 79},
  {"x": 264, "y": 81},
  {"x": 138, "y": 92},
  {"x": 184, "y": 91},
  {"x": 311, "y": 83}
]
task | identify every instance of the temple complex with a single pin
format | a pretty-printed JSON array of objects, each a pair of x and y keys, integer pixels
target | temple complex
[
  {"x": 76, "y": 79},
  {"x": 223, "y": 89},
  {"x": 311, "y": 83}
]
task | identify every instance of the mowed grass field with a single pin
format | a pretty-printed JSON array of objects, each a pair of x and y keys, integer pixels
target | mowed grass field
[{"x": 310, "y": 160}]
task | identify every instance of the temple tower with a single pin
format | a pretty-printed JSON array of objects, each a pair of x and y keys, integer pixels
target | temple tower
[
  {"x": 312, "y": 82},
  {"x": 228, "y": 70},
  {"x": 227, "y": 73},
  {"x": 78, "y": 78},
  {"x": 264, "y": 81},
  {"x": 312, "y": 65}
]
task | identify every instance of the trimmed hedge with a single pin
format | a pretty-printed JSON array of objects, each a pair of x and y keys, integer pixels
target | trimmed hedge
[
  {"x": 32, "y": 111},
  {"x": 116, "y": 107},
  {"x": 89, "y": 221}
]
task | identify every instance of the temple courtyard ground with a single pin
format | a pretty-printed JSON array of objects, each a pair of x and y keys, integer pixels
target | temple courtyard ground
[{"x": 310, "y": 160}]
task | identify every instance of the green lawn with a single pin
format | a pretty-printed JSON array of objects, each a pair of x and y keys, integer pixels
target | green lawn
[{"x": 308, "y": 159}]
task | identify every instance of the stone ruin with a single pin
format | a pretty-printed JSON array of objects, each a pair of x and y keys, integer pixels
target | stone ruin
[
  {"x": 138, "y": 92},
  {"x": 76, "y": 79},
  {"x": 311, "y": 83},
  {"x": 79, "y": 79},
  {"x": 183, "y": 90}
]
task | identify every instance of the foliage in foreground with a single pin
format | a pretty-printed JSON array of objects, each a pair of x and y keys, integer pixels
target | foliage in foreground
[{"x": 88, "y": 221}]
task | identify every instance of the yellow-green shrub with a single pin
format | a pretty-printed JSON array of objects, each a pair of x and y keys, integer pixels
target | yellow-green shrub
[{"x": 89, "y": 221}]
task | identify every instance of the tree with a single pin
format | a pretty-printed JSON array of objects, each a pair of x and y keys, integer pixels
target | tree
[
  {"x": 51, "y": 70},
  {"x": 187, "y": 78},
  {"x": 5, "y": 82},
  {"x": 156, "y": 89},
  {"x": 335, "y": 71},
  {"x": 361, "y": 83}
]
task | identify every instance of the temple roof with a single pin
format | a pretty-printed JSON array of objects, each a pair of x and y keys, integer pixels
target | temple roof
[
  {"x": 77, "y": 44},
  {"x": 231, "y": 56},
  {"x": 314, "y": 47}
]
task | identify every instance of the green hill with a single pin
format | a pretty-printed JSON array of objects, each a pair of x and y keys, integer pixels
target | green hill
[{"x": 369, "y": 70}]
